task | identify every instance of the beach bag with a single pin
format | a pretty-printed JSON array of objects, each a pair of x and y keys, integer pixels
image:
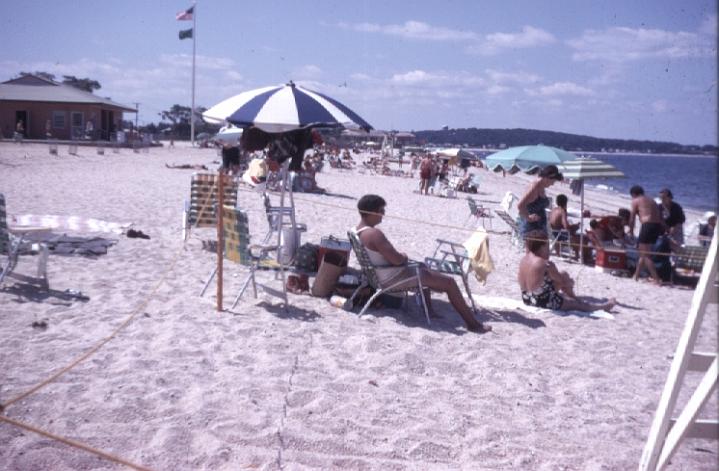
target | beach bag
[
  {"x": 306, "y": 257},
  {"x": 332, "y": 266}
]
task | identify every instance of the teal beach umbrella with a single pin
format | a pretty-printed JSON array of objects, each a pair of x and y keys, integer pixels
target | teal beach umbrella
[{"x": 529, "y": 159}]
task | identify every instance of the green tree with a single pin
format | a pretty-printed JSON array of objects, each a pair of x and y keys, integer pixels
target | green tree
[
  {"x": 86, "y": 84},
  {"x": 179, "y": 117},
  {"x": 45, "y": 75}
]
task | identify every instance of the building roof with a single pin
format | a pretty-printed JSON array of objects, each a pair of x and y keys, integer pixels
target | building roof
[{"x": 33, "y": 88}]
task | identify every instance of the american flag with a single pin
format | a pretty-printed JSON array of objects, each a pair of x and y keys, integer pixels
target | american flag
[{"x": 185, "y": 15}]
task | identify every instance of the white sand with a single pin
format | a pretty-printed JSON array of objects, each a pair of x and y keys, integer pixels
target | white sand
[{"x": 186, "y": 387}]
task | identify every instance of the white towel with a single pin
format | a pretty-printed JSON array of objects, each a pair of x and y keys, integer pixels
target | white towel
[
  {"x": 496, "y": 302},
  {"x": 72, "y": 223}
]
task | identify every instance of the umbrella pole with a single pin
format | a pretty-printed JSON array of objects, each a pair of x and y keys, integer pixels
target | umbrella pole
[
  {"x": 581, "y": 227},
  {"x": 280, "y": 223},
  {"x": 220, "y": 235}
]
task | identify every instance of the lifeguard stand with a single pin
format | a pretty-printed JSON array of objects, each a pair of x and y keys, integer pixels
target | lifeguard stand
[{"x": 666, "y": 433}]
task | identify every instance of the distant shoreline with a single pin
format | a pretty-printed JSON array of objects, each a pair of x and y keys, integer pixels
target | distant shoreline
[{"x": 633, "y": 154}]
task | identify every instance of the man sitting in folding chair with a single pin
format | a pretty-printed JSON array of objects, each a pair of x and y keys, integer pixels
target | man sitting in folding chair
[{"x": 391, "y": 265}]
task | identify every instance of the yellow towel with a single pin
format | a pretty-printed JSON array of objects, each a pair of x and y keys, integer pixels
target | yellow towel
[{"x": 477, "y": 247}]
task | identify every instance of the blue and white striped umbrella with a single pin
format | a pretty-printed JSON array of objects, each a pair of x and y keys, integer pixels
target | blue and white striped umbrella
[{"x": 284, "y": 108}]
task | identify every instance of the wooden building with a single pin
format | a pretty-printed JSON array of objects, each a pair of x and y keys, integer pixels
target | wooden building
[{"x": 66, "y": 112}]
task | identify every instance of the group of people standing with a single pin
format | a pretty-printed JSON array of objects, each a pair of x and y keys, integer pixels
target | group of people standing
[
  {"x": 665, "y": 219},
  {"x": 431, "y": 170}
]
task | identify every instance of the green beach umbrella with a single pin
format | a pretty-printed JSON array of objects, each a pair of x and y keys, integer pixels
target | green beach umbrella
[
  {"x": 529, "y": 159},
  {"x": 586, "y": 167},
  {"x": 582, "y": 169}
]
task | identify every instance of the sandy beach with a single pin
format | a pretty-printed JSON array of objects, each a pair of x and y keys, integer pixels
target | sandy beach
[{"x": 184, "y": 387}]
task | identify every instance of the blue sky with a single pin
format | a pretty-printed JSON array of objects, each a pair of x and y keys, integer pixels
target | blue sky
[{"x": 639, "y": 69}]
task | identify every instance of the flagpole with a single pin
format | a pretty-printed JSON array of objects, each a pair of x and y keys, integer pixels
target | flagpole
[{"x": 194, "y": 39}]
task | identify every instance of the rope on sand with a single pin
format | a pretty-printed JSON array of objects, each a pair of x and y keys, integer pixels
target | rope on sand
[
  {"x": 76, "y": 362},
  {"x": 73, "y": 443}
]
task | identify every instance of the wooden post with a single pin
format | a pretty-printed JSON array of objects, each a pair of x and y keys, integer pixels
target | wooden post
[{"x": 220, "y": 234}]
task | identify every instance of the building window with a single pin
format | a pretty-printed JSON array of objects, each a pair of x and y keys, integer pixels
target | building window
[
  {"x": 77, "y": 119},
  {"x": 58, "y": 119}
]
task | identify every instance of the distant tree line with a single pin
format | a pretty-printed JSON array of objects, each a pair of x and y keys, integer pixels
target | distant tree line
[
  {"x": 87, "y": 84},
  {"x": 175, "y": 123},
  {"x": 478, "y": 137}
]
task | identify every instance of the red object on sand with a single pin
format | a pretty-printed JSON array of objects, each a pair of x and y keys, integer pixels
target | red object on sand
[{"x": 610, "y": 260}]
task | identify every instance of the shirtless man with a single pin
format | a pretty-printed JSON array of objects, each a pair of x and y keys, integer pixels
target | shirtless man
[{"x": 650, "y": 230}]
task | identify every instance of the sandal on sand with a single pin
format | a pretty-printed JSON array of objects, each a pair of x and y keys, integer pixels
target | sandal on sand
[{"x": 132, "y": 233}]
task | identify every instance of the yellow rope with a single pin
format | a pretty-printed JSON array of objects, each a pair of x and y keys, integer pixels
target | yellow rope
[
  {"x": 74, "y": 443},
  {"x": 94, "y": 349}
]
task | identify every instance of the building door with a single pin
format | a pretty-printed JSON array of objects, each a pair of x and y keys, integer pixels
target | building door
[
  {"x": 111, "y": 119},
  {"x": 104, "y": 124},
  {"x": 77, "y": 121},
  {"x": 22, "y": 116}
]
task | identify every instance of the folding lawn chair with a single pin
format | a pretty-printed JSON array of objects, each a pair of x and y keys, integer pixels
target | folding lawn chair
[
  {"x": 478, "y": 211},
  {"x": 451, "y": 258},
  {"x": 515, "y": 236},
  {"x": 13, "y": 243},
  {"x": 199, "y": 210},
  {"x": 371, "y": 279},
  {"x": 237, "y": 248}
]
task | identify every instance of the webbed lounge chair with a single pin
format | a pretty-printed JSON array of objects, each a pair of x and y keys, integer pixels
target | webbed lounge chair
[
  {"x": 451, "y": 258},
  {"x": 275, "y": 214},
  {"x": 371, "y": 279},
  {"x": 478, "y": 211},
  {"x": 515, "y": 237},
  {"x": 237, "y": 248},
  {"x": 688, "y": 260},
  {"x": 199, "y": 209},
  {"x": 12, "y": 243}
]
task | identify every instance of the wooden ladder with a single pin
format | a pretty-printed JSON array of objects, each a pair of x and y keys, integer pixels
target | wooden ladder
[{"x": 667, "y": 433}]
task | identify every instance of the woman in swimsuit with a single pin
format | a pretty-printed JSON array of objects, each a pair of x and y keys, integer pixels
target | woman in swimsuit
[
  {"x": 390, "y": 264},
  {"x": 533, "y": 205},
  {"x": 544, "y": 286}
]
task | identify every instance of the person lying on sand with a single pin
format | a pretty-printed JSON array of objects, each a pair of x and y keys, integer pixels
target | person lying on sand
[
  {"x": 543, "y": 285},
  {"x": 188, "y": 166},
  {"x": 391, "y": 264}
]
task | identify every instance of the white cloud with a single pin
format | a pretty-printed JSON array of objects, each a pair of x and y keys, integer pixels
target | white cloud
[
  {"x": 561, "y": 89},
  {"x": 307, "y": 72},
  {"x": 495, "y": 43},
  {"x": 519, "y": 77},
  {"x": 622, "y": 44},
  {"x": 440, "y": 79},
  {"x": 412, "y": 30}
]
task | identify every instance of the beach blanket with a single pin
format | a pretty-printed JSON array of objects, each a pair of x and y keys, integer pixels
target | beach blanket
[
  {"x": 68, "y": 245},
  {"x": 499, "y": 303},
  {"x": 70, "y": 223}
]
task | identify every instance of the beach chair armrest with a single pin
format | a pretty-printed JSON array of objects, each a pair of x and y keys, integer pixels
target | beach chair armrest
[
  {"x": 260, "y": 249},
  {"x": 448, "y": 242},
  {"x": 460, "y": 257}
]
